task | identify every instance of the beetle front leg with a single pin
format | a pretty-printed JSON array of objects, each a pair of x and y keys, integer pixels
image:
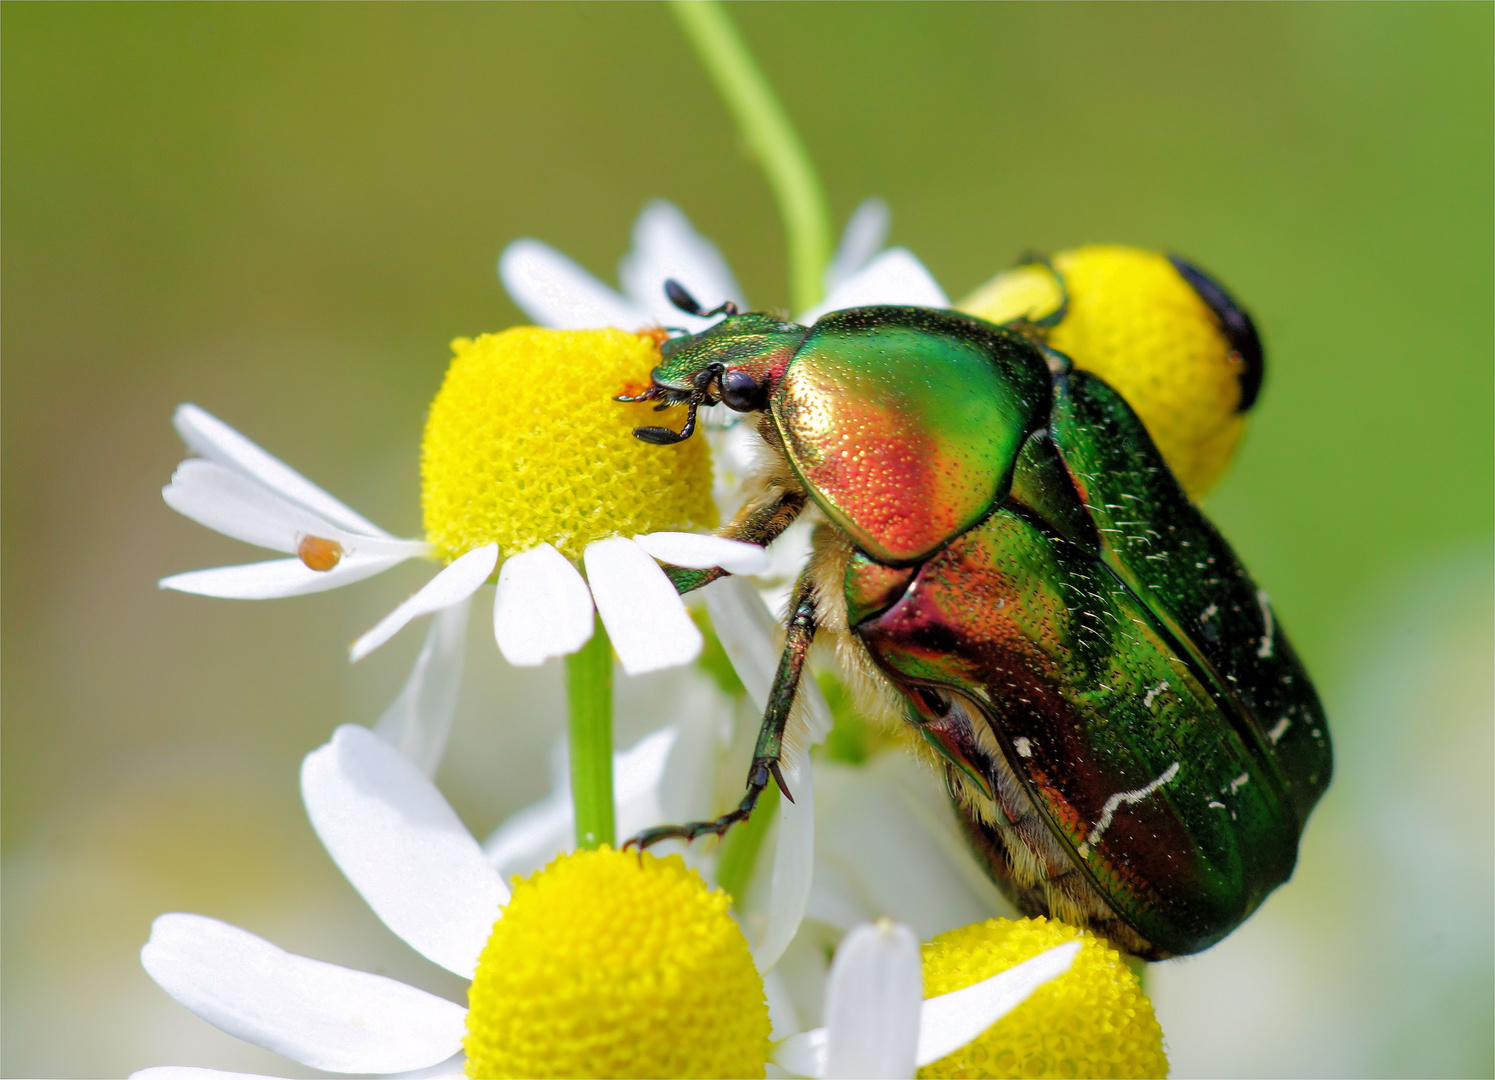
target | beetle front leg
[
  {"x": 770, "y": 748},
  {"x": 760, "y": 522}
]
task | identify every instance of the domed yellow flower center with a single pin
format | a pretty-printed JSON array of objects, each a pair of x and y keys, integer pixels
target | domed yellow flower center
[
  {"x": 1134, "y": 321},
  {"x": 524, "y": 445},
  {"x": 609, "y": 964},
  {"x": 1093, "y": 1020}
]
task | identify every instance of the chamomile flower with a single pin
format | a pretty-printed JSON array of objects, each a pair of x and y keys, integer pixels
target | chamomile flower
[
  {"x": 528, "y": 468},
  {"x": 1023, "y": 998},
  {"x": 685, "y": 771},
  {"x": 571, "y": 970},
  {"x": 554, "y": 291},
  {"x": 404, "y": 849}
]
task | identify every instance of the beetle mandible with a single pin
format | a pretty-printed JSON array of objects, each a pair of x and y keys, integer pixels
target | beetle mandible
[{"x": 1007, "y": 563}]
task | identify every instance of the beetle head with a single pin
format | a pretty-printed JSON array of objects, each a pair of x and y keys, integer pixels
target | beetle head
[{"x": 737, "y": 363}]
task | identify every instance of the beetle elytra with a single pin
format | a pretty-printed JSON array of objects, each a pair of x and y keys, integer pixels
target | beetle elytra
[{"x": 1007, "y": 563}]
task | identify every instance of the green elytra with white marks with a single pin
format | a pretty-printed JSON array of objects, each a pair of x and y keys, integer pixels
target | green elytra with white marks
[{"x": 1131, "y": 742}]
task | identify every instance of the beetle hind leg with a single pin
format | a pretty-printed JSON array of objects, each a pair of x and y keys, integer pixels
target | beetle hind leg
[
  {"x": 757, "y": 781},
  {"x": 770, "y": 748}
]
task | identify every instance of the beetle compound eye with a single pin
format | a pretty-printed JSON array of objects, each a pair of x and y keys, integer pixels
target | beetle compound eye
[{"x": 741, "y": 392}]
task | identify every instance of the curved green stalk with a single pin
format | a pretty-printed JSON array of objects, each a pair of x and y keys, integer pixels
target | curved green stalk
[
  {"x": 589, "y": 704},
  {"x": 774, "y": 142}
]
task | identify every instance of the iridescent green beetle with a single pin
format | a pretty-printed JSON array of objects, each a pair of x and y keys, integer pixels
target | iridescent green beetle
[{"x": 1131, "y": 742}]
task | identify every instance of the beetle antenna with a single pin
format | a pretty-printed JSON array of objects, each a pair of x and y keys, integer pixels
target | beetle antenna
[
  {"x": 681, "y": 298},
  {"x": 648, "y": 395},
  {"x": 687, "y": 303}
]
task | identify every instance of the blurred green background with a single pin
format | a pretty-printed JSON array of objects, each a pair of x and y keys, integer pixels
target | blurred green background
[{"x": 284, "y": 212}]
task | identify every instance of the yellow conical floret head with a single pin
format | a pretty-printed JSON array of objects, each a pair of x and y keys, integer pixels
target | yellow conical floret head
[
  {"x": 1092, "y": 1021},
  {"x": 1135, "y": 320},
  {"x": 611, "y": 963},
  {"x": 525, "y": 445}
]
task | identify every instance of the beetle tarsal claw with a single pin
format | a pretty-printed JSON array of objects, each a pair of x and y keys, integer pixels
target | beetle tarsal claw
[
  {"x": 779, "y": 779},
  {"x": 690, "y": 831}
]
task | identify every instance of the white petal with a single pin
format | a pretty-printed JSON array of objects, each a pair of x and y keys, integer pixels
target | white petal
[
  {"x": 453, "y": 584},
  {"x": 418, "y": 722},
  {"x": 667, "y": 776},
  {"x": 702, "y": 715},
  {"x": 556, "y": 292},
  {"x": 666, "y": 245},
  {"x": 329, "y": 1017},
  {"x": 237, "y": 505},
  {"x": 637, "y": 771},
  {"x": 542, "y": 608},
  {"x": 783, "y": 1017},
  {"x": 802, "y": 1054},
  {"x": 450, "y": 1070},
  {"x": 210, "y": 437},
  {"x": 190, "y": 1072},
  {"x": 887, "y": 844},
  {"x": 701, "y": 551},
  {"x": 638, "y": 774},
  {"x": 640, "y": 608},
  {"x": 872, "y": 1003},
  {"x": 530, "y": 838},
  {"x": 954, "y": 1019},
  {"x": 793, "y": 863},
  {"x": 403, "y": 848},
  {"x": 894, "y": 277},
  {"x": 278, "y": 578},
  {"x": 539, "y": 832},
  {"x": 864, "y": 237},
  {"x": 753, "y": 639},
  {"x": 227, "y": 501}
]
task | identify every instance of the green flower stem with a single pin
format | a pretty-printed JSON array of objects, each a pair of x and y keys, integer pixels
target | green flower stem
[
  {"x": 589, "y": 701},
  {"x": 774, "y": 142},
  {"x": 741, "y": 846}
]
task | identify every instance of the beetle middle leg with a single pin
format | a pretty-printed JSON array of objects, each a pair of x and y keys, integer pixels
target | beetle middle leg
[
  {"x": 770, "y": 748},
  {"x": 761, "y": 522}
]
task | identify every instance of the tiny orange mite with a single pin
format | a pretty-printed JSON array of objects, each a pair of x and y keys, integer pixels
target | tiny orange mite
[{"x": 319, "y": 553}]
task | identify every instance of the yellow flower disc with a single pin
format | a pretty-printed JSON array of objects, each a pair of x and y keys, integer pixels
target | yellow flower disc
[
  {"x": 524, "y": 445},
  {"x": 1093, "y": 1020},
  {"x": 1134, "y": 321},
  {"x": 605, "y": 965}
]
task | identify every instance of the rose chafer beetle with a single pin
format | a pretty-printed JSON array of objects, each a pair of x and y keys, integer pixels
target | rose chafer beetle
[{"x": 1007, "y": 562}]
